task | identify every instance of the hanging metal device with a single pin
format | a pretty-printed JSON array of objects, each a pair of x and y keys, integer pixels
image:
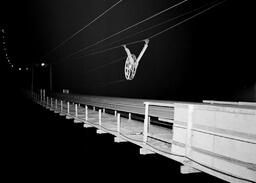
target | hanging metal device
[{"x": 132, "y": 62}]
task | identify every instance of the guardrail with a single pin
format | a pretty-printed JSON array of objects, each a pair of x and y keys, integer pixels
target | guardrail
[{"x": 217, "y": 139}]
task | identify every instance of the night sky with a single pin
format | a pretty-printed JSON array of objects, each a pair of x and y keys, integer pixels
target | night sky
[{"x": 208, "y": 57}]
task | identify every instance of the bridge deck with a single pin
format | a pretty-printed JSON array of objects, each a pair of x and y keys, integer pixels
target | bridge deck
[{"x": 217, "y": 138}]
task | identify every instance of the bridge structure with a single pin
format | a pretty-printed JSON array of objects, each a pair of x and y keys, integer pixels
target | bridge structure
[{"x": 214, "y": 137}]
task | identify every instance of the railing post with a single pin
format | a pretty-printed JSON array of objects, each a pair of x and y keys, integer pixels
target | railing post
[
  {"x": 41, "y": 95},
  {"x": 47, "y": 101},
  {"x": 86, "y": 113},
  {"x": 56, "y": 104},
  {"x": 76, "y": 110},
  {"x": 145, "y": 131},
  {"x": 61, "y": 106},
  {"x": 115, "y": 113},
  {"x": 100, "y": 117},
  {"x": 51, "y": 102},
  {"x": 68, "y": 108},
  {"x": 130, "y": 116},
  {"x": 189, "y": 129},
  {"x": 44, "y": 96},
  {"x": 118, "y": 123}
]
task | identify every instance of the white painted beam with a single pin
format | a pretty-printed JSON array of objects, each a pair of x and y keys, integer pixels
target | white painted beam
[
  {"x": 87, "y": 126},
  {"x": 77, "y": 121},
  {"x": 144, "y": 151},
  {"x": 118, "y": 123},
  {"x": 100, "y": 117},
  {"x": 118, "y": 140},
  {"x": 101, "y": 132},
  {"x": 86, "y": 113},
  {"x": 186, "y": 169},
  {"x": 69, "y": 117}
]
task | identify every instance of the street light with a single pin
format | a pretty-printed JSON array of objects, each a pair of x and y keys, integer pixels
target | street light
[{"x": 50, "y": 75}]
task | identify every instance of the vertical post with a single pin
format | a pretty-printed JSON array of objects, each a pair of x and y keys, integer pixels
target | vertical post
[
  {"x": 47, "y": 102},
  {"x": 93, "y": 108},
  {"x": 86, "y": 113},
  {"x": 115, "y": 113},
  {"x": 56, "y": 104},
  {"x": 130, "y": 116},
  {"x": 118, "y": 123},
  {"x": 100, "y": 117},
  {"x": 103, "y": 111},
  {"x": 61, "y": 106},
  {"x": 68, "y": 108},
  {"x": 76, "y": 110},
  {"x": 145, "y": 131},
  {"x": 189, "y": 129},
  {"x": 51, "y": 102},
  {"x": 44, "y": 96},
  {"x": 41, "y": 95}
]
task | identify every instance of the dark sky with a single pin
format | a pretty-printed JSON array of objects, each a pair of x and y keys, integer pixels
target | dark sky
[{"x": 209, "y": 57}]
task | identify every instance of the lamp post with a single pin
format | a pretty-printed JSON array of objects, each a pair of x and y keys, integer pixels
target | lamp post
[{"x": 33, "y": 73}]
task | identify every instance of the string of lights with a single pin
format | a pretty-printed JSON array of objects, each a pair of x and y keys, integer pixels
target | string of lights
[
  {"x": 5, "y": 50},
  {"x": 11, "y": 65}
]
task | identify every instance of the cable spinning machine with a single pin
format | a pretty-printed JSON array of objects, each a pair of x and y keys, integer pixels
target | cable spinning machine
[{"x": 132, "y": 62}]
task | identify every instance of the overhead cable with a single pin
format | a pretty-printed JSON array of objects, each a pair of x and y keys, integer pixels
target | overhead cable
[
  {"x": 77, "y": 32},
  {"x": 119, "y": 32},
  {"x": 154, "y": 35}
]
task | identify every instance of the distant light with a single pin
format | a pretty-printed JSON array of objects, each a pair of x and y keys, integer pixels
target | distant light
[
  {"x": 42, "y": 64},
  {"x": 19, "y": 69},
  {"x": 26, "y": 68},
  {"x": 12, "y": 66}
]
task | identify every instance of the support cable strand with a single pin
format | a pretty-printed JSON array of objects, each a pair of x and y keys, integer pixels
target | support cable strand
[
  {"x": 154, "y": 35},
  {"x": 73, "y": 35},
  {"x": 119, "y": 32},
  {"x": 154, "y": 26}
]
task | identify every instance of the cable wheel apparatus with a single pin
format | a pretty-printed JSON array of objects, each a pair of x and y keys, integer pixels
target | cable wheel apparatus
[
  {"x": 130, "y": 67},
  {"x": 132, "y": 62}
]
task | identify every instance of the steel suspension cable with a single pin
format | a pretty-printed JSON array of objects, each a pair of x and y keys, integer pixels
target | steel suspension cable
[
  {"x": 154, "y": 35},
  {"x": 187, "y": 19},
  {"x": 87, "y": 25},
  {"x": 119, "y": 32},
  {"x": 154, "y": 26}
]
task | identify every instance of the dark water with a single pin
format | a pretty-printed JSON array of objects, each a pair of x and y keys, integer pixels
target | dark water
[{"x": 40, "y": 145}]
